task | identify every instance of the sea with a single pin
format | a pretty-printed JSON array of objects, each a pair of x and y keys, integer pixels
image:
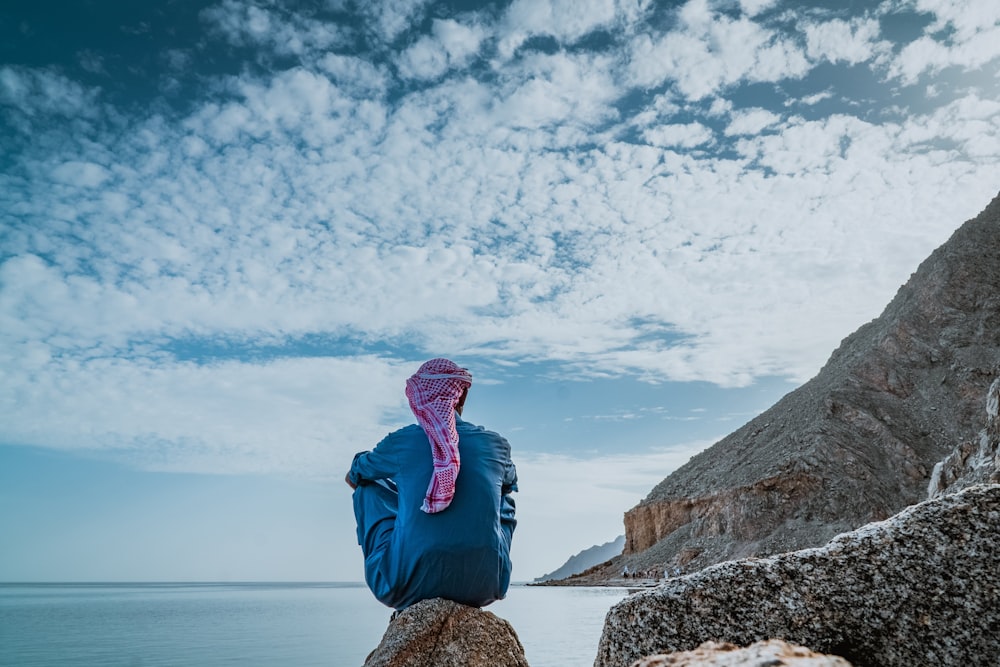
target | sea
[{"x": 259, "y": 624}]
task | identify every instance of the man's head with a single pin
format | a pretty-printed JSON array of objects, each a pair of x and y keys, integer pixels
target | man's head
[{"x": 439, "y": 382}]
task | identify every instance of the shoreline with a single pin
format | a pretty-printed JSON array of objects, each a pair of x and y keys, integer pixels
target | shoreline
[{"x": 617, "y": 582}]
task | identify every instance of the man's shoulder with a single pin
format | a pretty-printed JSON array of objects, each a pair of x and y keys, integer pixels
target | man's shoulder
[
  {"x": 406, "y": 433},
  {"x": 464, "y": 427}
]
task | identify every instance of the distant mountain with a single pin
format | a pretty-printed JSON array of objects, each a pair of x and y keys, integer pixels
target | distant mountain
[
  {"x": 856, "y": 443},
  {"x": 586, "y": 559}
]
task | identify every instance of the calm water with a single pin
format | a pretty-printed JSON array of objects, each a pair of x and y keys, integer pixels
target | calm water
[{"x": 258, "y": 625}]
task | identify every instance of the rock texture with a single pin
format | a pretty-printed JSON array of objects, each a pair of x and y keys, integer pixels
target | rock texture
[
  {"x": 442, "y": 633},
  {"x": 920, "y": 588},
  {"x": 857, "y": 443},
  {"x": 772, "y": 653},
  {"x": 974, "y": 461}
]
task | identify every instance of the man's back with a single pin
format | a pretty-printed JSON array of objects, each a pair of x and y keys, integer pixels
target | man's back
[{"x": 462, "y": 552}]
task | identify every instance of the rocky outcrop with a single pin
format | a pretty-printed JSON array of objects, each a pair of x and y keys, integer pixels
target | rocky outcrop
[
  {"x": 920, "y": 588},
  {"x": 772, "y": 653},
  {"x": 974, "y": 461},
  {"x": 442, "y": 633},
  {"x": 855, "y": 444},
  {"x": 586, "y": 559}
]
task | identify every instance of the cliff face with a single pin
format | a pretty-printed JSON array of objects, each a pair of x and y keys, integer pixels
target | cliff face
[
  {"x": 975, "y": 461},
  {"x": 858, "y": 442}
]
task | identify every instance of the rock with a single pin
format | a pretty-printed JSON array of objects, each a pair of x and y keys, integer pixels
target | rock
[
  {"x": 855, "y": 444},
  {"x": 442, "y": 633},
  {"x": 772, "y": 653},
  {"x": 920, "y": 588},
  {"x": 973, "y": 461}
]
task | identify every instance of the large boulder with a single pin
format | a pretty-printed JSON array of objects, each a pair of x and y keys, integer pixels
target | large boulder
[
  {"x": 920, "y": 588},
  {"x": 772, "y": 653},
  {"x": 442, "y": 633}
]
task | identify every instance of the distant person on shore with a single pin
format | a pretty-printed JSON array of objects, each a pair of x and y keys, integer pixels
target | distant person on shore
[{"x": 432, "y": 500}]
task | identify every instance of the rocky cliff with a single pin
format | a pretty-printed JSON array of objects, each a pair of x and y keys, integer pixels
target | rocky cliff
[
  {"x": 920, "y": 588},
  {"x": 858, "y": 442}
]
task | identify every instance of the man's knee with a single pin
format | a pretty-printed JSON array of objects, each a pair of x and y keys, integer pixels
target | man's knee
[{"x": 375, "y": 509}]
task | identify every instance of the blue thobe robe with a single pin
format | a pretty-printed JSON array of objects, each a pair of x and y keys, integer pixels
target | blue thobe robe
[{"x": 461, "y": 553}]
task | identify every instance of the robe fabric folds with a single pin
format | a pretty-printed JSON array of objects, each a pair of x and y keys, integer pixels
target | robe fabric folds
[{"x": 461, "y": 553}]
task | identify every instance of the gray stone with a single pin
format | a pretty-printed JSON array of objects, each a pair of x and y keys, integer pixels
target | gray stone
[
  {"x": 772, "y": 653},
  {"x": 442, "y": 633},
  {"x": 920, "y": 588}
]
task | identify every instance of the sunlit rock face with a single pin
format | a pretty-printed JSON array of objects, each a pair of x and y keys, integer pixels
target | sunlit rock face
[
  {"x": 974, "y": 461},
  {"x": 919, "y": 588},
  {"x": 442, "y": 633},
  {"x": 772, "y": 653},
  {"x": 858, "y": 442}
]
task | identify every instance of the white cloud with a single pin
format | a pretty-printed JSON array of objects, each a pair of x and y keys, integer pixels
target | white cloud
[
  {"x": 39, "y": 91},
  {"x": 426, "y": 59},
  {"x": 688, "y": 135},
  {"x": 393, "y": 17},
  {"x": 969, "y": 18},
  {"x": 247, "y": 23},
  {"x": 918, "y": 56},
  {"x": 355, "y": 74},
  {"x": 810, "y": 100},
  {"x": 969, "y": 122},
  {"x": 754, "y": 7},
  {"x": 81, "y": 174},
  {"x": 843, "y": 41},
  {"x": 710, "y": 51},
  {"x": 450, "y": 46},
  {"x": 566, "y": 20},
  {"x": 751, "y": 121},
  {"x": 460, "y": 41},
  {"x": 558, "y": 88},
  {"x": 972, "y": 39}
]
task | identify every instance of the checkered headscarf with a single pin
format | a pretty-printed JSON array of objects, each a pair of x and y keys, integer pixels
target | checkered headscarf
[{"x": 434, "y": 391}]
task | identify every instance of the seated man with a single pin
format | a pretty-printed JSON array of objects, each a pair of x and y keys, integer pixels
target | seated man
[{"x": 433, "y": 506}]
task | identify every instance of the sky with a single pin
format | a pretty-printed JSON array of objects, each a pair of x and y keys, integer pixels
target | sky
[{"x": 230, "y": 230}]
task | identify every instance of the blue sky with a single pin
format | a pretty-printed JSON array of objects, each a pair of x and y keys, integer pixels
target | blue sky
[{"x": 230, "y": 230}]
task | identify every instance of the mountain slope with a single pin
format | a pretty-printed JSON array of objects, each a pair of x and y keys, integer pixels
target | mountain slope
[
  {"x": 856, "y": 443},
  {"x": 586, "y": 559}
]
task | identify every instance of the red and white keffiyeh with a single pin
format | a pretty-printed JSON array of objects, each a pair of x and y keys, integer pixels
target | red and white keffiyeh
[{"x": 434, "y": 391}]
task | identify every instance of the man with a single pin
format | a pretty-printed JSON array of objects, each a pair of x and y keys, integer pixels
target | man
[{"x": 432, "y": 500}]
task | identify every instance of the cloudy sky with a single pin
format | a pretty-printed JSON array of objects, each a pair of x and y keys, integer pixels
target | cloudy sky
[{"x": 229, "y": 230}]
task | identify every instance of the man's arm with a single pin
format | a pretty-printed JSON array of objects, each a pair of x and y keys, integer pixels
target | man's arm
[
  {"x": 380, "y": 463},
  {"x": 509, "y": 478}
]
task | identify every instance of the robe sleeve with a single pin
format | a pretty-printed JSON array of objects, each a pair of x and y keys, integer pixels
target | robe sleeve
[
  {"x": 380, "y": 463},
  {"x": 509, "y": 478}
]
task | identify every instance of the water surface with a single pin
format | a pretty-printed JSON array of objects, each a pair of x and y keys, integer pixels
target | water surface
[{"x": 258, "y": 624}]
